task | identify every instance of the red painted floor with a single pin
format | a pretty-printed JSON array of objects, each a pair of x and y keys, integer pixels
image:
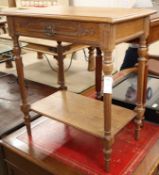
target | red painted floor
[{"x": 84, "y": 151}]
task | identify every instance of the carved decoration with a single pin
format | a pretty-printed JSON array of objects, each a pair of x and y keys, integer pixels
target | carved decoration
[{"x": 57, "y": 29}]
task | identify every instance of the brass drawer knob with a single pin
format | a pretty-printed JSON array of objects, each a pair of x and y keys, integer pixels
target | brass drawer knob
[{"x": 49, "y": 30}]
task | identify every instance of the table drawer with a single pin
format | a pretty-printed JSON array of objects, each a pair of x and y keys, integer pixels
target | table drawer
[{"x": 58, "y": 30}]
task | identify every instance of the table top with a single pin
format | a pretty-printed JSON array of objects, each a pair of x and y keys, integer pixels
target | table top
[{"x": 108, "y": 15}]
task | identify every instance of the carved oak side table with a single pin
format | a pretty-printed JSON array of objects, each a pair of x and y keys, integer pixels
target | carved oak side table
[{"x": 97, "y": 27}]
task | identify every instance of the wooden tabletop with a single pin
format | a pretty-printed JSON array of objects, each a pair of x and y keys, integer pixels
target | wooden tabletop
[{"x": 109, "y": 15}]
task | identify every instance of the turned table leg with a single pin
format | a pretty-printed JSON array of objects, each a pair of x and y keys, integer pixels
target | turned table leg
[
  {"x": 108, "y": 82},
  {"x": 25, "y": 107},
  {"x": 60, "y": 58},
  {"x": 145, "y": 90},
  {"x": 8, "y": 62},
  {"x": 91, "y": 59},
  {"x": 40, "y": 55},
  {"x": 141, "y": 85},
  {"x": 98, "y": 73}
]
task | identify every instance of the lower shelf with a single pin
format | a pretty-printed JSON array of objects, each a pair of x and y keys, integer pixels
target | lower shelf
[{"x": 82, "y": 112}]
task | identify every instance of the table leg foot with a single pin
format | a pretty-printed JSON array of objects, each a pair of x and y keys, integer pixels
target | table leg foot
[
  {"x": 99, "y": 96},
  {"x": 107, "y": 156},
  {"x": 138, "y": 121},
  {"x": 25, "y": 110},
  {"x": 40, "y": 55}
]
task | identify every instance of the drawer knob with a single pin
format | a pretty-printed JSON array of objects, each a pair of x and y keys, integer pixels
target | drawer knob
[{"x": 49, "y": 30}]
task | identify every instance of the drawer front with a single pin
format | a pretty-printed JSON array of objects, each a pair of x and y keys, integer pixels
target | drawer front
[{"x": 72, "y": 31}]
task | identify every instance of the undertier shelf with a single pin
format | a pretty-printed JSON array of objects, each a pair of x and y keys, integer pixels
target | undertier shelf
[{"x": 81, "y": 112}]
